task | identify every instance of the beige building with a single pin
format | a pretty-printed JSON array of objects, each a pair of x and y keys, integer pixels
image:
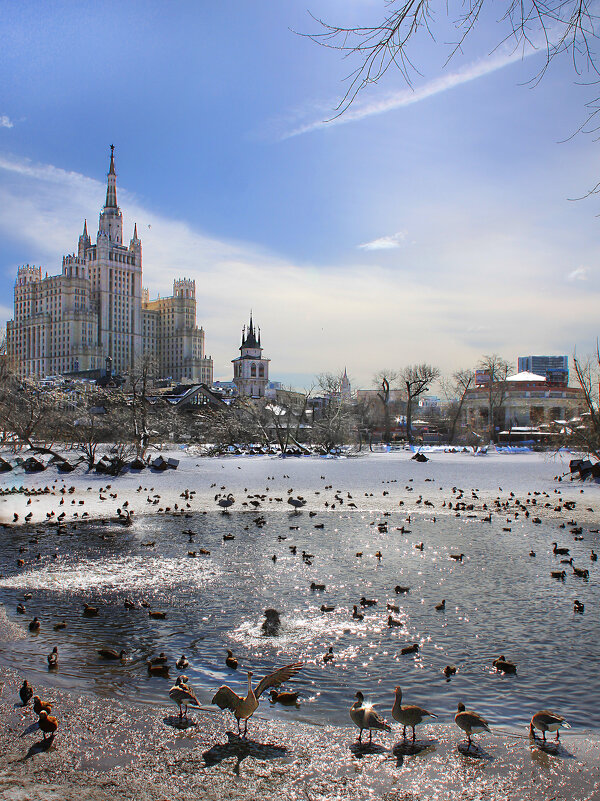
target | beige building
[
  {"x": 250, "y": 369},
  {"x": 96, "y": 308}
]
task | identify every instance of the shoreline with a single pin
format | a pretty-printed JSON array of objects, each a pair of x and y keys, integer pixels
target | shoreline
[{"x": 105, "y": 748}]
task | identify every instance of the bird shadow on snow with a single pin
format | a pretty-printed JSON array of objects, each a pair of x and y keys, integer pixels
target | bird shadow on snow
[
  {"x": 408, "y": 748},
  {"x": 474, "y": 751},
  {"x": 241, "y": 748},
  {"x": 37, "y": 748},
  {"x": 542, "y": 750},
  {"x": 179, "y": 723},
  {"x": 362, "y": 749},
  {"x": 31, "y": 728}
]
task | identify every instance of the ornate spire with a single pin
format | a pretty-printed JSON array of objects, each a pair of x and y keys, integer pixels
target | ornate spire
[
  {"x": 111, "y": 188},
  {"x": 85, "y": 233}
]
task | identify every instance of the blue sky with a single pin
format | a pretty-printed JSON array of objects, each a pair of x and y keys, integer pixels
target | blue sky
[{"x": 427, "y": 224}]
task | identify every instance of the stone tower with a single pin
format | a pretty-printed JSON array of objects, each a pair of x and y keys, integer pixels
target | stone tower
[{"x": 250, "y": 369}]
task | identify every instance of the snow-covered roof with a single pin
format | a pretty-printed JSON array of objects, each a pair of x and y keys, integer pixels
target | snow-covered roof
[{"x": 526, "y": 376}]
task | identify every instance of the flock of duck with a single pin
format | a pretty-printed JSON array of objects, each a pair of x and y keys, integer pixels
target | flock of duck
[{"x": 362, "y": 714}]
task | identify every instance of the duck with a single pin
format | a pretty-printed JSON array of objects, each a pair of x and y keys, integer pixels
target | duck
[
  {"x": 409, "y": 715},
  {"x": 367, "y": 602},
  {"x": 470, "y": 722},
  {"x": 230, "y": 660},
  {"x": 458, "y": 557},
  {"x": 182, "y": 663},
  {"x": 157, "y": 615},
  {"x": 410, "y": 649},
  {"x": 244, "y": 708},
  {"x": 90, "y": 611},
  {"x": 129, "y": 604},
  {"x": 325, "y": 608},
  {"x": 449, "y": 670},
  {"x": 39, "y": 705},
  {"x": 21, "y": 609},
  {"x": 285, "y": 698},
  {"x": 503, "y": 666},
  {"x": 53, "y": 659},
  {"x": 594, "y": 556},
  {"x": 158, "y": 670},
  {"x": 329, "y": 656},
  {"x": 441, "y": 606},
  {"x": 271, "y": 624},
  {"x": 582, "y": 572},
  {"x": 400, "y": 590},
  {"x": 111, "y": 653},
  {"x": 365, "y": 717},
  {"x": 578, "y": 607},
  {"x": 161, "y": 659},
  {"x": 35, "y": 625},
  {"x": 547, "y": 721},
  {"x": 391, "y": 621},
  {"x": 60, "y": 626},
  {"x": 26, "y": 692},
  {"x": 183, "y": 695},
  {"x": 356, "y": 614},
  {"x": 558, "y": 574},
  {"x": 48, "y": 723}
]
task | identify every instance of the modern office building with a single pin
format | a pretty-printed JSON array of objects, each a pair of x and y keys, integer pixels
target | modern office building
[{"x": 554, "y": 368}]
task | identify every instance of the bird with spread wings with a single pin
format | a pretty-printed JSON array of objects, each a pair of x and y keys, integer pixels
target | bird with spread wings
[{"x": 244, "y": 708}]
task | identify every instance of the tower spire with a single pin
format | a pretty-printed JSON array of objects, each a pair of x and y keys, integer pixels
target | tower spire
[
  {"x": 111, "y": 188},
  {"x": 85, "y": 231}
]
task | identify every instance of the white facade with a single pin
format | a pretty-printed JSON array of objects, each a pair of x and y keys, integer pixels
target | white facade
[
  {"x": 250, "y": 370},
  {"x": 96, "y": 308}
]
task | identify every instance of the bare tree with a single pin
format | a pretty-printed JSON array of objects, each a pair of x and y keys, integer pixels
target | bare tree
[
  {"x": 332, "y": 423},
  {"x": 416, "y": 378},
  {"x": 455, "y": 390},
  {"x": 554, "y": 28},
  {"x": 496, "y": 370},
  {"x": 586, "y": 435},
  {"x": 385, "y": 379}
]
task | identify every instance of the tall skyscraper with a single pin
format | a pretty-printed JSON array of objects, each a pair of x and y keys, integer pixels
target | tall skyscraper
[{"x": 97, "y": 308}]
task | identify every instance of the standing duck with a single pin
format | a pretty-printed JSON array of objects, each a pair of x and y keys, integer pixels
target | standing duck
[
  {"x": 26, "y": 692},
  {"x": 365, "y": 717},
  {"x": 409, "y": 715}
]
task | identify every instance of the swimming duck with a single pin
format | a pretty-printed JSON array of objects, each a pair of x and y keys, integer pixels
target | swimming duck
[
  {"x": 329, "y": 656},
  {"x": 356, "y": 614},
  {"x": 502, "y": 666},
  {"x": 449, "y": 670},
  {"x": 409, "y": 715},
  {"x": 61, "y": 625},
  {"x": 157, "y": 615},
  {"x": 391, "y": 621},
  {"x": 410, "y": 649},
  {"x": 578, "y": 607},
  {"x": 90, "y": 611},
  {"x": 35, "y": 625},
  {"x": 182, "y": 663},
  {"x": 367, "y": 602},
  {"x": 110, "y": 653},
  {"x": 470, "y": 722},
  {"x": 458, "y": 557},
  {"x": 285, "y": 698},
  {"x": 365, "y": 717},
  {"x": 547, "y": 721},
  {"x": 244, "y": 708},
  {"x": 161, "y": 659},
  {"x": 158, "y": 670},
  {"x": 21, "y": 609},
  {"x": 53, "y": 659},
  {"x": 230, "y": 660},
  {"x": 441, "y": 606}
]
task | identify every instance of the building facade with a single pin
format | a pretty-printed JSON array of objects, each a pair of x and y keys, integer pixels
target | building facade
[
  {"x": 555, "y": 368},
  {"x": 250, "y": 369},
  {"x": 96, "y": 308}
]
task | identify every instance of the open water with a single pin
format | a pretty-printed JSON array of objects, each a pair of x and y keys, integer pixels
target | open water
[{"x": 499, "y": 600}]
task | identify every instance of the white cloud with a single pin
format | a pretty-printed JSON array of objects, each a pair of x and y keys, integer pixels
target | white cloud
[
  {"x": 314, "y": 318},
  {"x": 6, "y": 122},
  {"x": 385, "y": 242},
  {"x": 406, "y": 97},
  {"x": 579, "y": 274}
]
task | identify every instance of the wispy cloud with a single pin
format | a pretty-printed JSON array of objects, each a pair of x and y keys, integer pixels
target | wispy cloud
[
  {"x": 6, "y": 122},
  {"x": 385, "y": 242},
  {"x": 406, "y": 97},
  {"x": 579, "y": 274}
]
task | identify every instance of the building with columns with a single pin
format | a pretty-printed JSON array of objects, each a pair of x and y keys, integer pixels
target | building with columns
[
  {"x": 250, "y": 369},
  {"x": 96, "y": 308}
]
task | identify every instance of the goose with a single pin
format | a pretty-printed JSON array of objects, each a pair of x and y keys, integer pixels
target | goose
[
  {"x": 582, "y": 572},
  {"x": 410, "y": 649},
  {"x": 470, "y": 722},
  {"x": 183, "y": 695},
  {"x": 230, "y": 660},
  {"x": 367, "y": 602},
  {"x": 458, "y": 557},
  {"x": 244, "y": 708},
  {"x": 26, "y": 692},
  {"x": 225, "y": 503},
  {"x": 559, "y": 551},
  {"x": 48, "y": 723},
  {"x": 547, "y": 721},
  {"x": 503, "y": 666},
  {"x": 297, "y": 503},
  {"x": 356, "y": 614},
  {"x": 53, "y": 659},
  {"x": 365, "y": 717},
  {"x": 409, "y": 715},
  {"x": 110, "y": 653},
  {"x": 391, "y": 621},
  {"x": 558, "y": 574},
  {"x": 392, "y": 608},
  {"x": 594, "y": 556},
  {"x": 285, "y": 698},
  {"x": 182, "y": 663}
]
